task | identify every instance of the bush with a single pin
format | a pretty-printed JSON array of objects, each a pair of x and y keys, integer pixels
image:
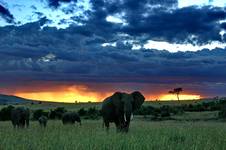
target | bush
[
  {"x": 82, "y": 112},
  {"x": 5, "y": 113},
  {"x": 38, "y": 113},
  {"x": 222, "y": 113},
  {"x": 145, "y": 110},
  {"x": 165, "y": 114},
  {"x": 165, "y": 111},
  {"x": 92, "y": 113},
  {"x": 57, "y": 113}
]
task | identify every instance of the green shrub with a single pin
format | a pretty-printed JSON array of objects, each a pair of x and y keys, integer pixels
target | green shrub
[
  {"x": 93, "y": 113},
  {"x": 165, "y": 111},
  {"x": 82, "y": 112},
  {"x": 5, "y": 113},
  {"x": 222, "y": 113},
  {"x": 145, "y": 110}
]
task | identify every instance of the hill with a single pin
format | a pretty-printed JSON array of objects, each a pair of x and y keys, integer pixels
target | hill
[{"x": 10, "y": 99}]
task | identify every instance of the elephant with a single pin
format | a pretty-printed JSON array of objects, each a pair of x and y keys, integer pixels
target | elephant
[
  {"x": 119, "y": 107},
  {"x": 43, "y": 121},
  {"x": 20, "y": 116},
  {"x": 70, "y": 118}
]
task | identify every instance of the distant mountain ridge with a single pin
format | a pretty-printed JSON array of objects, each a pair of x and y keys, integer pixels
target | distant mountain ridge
[{"x": 10, "y": 99}]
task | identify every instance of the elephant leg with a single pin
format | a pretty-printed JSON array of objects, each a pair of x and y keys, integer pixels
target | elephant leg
[
  {"x": 107, "y": 125},
  {"x": 27, "y": 123},
  {"x": 126, "y": 128},
  {"x": 121, "y": 123},
  {"x": 117, "y": 125},
  {"x": 22, "y": 123},
  {"x": 14, "y": 124}
]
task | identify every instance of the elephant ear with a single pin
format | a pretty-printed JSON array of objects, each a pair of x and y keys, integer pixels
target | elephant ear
[
  {"x": 138, "y": 100},
  {"x": 116, "y": 98}
]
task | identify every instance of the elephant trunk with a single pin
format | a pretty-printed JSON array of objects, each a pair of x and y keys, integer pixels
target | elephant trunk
[{"x": 127, "y": 118}]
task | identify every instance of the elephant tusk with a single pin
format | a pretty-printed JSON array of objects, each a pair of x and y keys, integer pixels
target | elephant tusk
[
  {"x": 131, "y": 118},
  {"x": 125, "y": 117}
]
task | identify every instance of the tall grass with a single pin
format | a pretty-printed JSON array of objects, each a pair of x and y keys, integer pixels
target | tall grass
[{"x": 143, "y": 135}]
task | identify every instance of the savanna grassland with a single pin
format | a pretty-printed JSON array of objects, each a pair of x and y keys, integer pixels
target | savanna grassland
[
  {"x": 166, "y": 135},
  {"x": 186, "y": 131}
]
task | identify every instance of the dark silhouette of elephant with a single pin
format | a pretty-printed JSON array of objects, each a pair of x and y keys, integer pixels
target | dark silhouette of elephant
[
  {"x": 20, "y": 117},
  {"x": 119, "y": 107},
  {"x": 71, "y": 118},
  {"x": 43, "y": 121}
]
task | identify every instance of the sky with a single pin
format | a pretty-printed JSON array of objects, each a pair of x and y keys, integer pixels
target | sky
[{"x": 85, "y": 50}]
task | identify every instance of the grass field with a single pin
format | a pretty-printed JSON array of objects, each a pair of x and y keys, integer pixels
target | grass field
[
  {"x": 143, "y": 135},
  {"x": 186, "y": 131}
]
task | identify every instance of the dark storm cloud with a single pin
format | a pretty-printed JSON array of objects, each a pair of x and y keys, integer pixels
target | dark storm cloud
[
  {"x": 196, "y": 25},
  {"x": 56, "y": 3},
  {"x": 179, "y": 25},
  {"x": 223, "y": 25},
  {"x": 6, "y": 15},
  {"x": 150, "y": 20},
  {"x": 75, "y": 54}
]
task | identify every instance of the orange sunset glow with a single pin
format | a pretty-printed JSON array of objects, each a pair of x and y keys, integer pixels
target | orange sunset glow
[
  {"x": 80, "y": 93},
  {"x": 71, "y": 97},
  {"x": 181, "y": 97},
  {"x": 68, "y": 95}
]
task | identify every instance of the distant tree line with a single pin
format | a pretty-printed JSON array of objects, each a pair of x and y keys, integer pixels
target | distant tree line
[{"x": 164, "y": 111}]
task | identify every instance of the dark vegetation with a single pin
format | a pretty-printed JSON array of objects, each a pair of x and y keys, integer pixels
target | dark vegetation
[
  {"x": 166, "y": 111},
  {"x": 5, "y": 113},
  {"x": 153, "y": 112},
  {"x": 90, "y": 113}
]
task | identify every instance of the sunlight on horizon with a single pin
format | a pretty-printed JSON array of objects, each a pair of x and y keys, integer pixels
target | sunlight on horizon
[
  {"x": 169, "y": 97},
  {"x": 75, "y": 96},
  {"x": 70, "y": 94},
  {"x": 66, "y": 97}
]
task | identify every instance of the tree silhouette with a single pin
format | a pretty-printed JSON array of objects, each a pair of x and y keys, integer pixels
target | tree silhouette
[{"x": 176, "y": 91}]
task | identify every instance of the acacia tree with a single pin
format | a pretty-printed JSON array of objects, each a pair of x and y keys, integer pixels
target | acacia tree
[{"x": 176, "y": 91}]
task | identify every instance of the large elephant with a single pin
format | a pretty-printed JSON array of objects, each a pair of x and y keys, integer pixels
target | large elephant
[
  {"x": 70, "y": 118},
  {"x": 20, "y": 116},
  {"x": 119, "y": 107}
]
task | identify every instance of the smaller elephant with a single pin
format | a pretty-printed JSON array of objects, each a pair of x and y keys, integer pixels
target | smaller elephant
[
  {"x": 43, "y": 121},
  {"x": 20, "y": 116},
  {"x": 70, "y": 118}
]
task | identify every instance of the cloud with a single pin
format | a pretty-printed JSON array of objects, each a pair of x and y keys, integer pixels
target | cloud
[
  {"x": 6, "y": 15},
  {"x": 56, "y": 3},
  {"x": 186, "y": 25},
  {"x": 223, "y": 25},
  {"x": 79, "y": 56},
  {"x": 153, "y": 20}
]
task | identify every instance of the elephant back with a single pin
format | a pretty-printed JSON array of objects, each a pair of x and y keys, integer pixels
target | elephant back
[{"x": 70, "y": 117}]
